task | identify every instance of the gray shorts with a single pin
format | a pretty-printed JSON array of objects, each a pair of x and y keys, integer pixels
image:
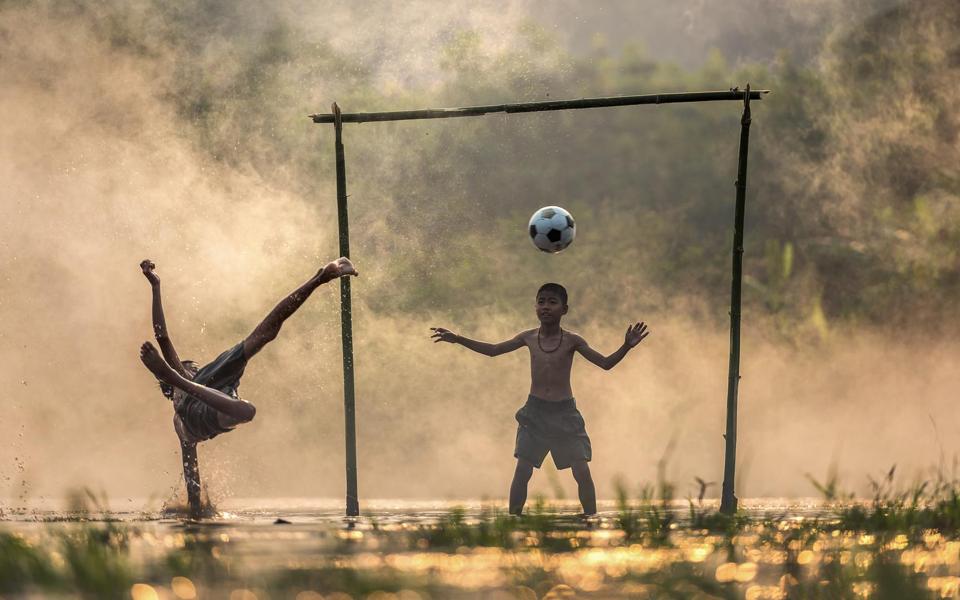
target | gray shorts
[
  {"x": 201, "y": 421},
  {"x": 550, "y": 426}
]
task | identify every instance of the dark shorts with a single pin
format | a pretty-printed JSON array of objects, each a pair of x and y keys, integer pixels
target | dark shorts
[
  {"x": 551, "y": 426},
  {"x": 201, "y": 421}
]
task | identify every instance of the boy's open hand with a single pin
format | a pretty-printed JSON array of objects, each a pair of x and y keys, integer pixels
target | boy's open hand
[
  {"x": 442, "y": 335},
  {"x": 635, "y": 334},
  {"x": 147, "y": 267}
]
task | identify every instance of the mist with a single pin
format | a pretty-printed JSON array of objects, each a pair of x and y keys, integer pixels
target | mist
[{"x": 112, "y": 152}]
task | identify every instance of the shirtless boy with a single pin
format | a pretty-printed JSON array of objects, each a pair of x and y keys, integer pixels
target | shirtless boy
[
  {"x": 205, "y": 399},
  {"x": 550, "y": 421}
]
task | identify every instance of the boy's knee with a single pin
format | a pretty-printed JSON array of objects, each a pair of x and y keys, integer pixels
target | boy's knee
[
  {"x": 243, "y": 415},
  {"x": 581, "y": 470},
  {"x": 250, "y": 413},
  {"x": 524, "y": 470}
]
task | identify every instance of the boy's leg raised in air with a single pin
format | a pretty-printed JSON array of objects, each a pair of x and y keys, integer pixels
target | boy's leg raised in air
[
  {"x": 240, "y": 411},
  {"x": 268, "y": 329},
  {"x": 518, "y": 488},
  {"x": 585, "y": 487}
]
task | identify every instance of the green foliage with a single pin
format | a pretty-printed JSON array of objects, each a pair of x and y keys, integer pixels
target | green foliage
[
  {"x": 852, "y": 196},
  {"x": 852, "y": 207},
  {"x": 539, "y": 526},
  {"x": 645, "y": 547},
  {"x": 931, "y": 505},
  {"x": 830, "y": 487},
  {"x": 651, "y": 518},
  {"x": 493, "y": 528},
  {"x": 96, "y": 560},
  {"x": 22, "y": 565}
]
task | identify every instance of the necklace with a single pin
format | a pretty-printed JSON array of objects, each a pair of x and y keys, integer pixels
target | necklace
[{"x": 540, "y": 344}]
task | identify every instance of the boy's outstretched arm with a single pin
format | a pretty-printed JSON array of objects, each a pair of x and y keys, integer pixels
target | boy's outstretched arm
[
  {"x": 445, "y": 335},
  {"x": 634, "y": 335},
  {"x": 159, "y": 322}
]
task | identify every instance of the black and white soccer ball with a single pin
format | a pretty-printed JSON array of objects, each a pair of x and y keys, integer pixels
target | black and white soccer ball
[{"x": 552, "y": 229}]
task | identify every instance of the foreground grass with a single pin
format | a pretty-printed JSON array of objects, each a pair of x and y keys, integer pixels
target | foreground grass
[{"x": 900, "y": 544}]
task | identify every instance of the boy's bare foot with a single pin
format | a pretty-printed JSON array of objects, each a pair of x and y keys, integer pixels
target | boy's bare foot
[
  {"x": 338, "y": 268},
  {"x": 154, "y": 362}
]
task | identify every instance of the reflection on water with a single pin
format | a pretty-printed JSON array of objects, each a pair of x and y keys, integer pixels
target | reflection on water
[{"x": 408, "y": 550}]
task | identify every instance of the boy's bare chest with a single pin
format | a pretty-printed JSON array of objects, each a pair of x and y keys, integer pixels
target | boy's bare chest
[{"x": 548, "y": 355}]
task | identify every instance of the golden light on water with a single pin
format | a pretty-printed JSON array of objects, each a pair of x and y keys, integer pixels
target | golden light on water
[
  {"x": 183, "y": 588},
  {"x": 951, "y": 553},
  {"x": 559, "y": 591},
  {"x": 699, "y": 552},
  {"x": 766, "y": 560},
  {"x": 600, "y": 560},
  {"x": 764, "y": 592},
  {"x": 142, "y": 591},
  {"x": 726, "y": 572},
  {"x": 946, "y": 587},
  {"x": 746, "y": 572}
]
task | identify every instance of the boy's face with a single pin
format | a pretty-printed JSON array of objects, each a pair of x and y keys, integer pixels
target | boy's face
[{"x": 550, "y": 308}]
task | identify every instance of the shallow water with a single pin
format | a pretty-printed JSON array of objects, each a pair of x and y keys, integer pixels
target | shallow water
[
  {"x": 331, "y": 511},
  {"x": 409, "y": 550}
]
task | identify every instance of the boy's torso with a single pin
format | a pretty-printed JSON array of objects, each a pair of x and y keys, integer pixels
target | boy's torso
[
  {"x": 196, "y": 422},
  {"x": 551, "y": 359}
]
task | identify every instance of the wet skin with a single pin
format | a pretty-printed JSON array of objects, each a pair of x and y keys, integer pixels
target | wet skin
[
  {"x": 551, "y": 348},
  {"x": 166, "y": 366}
]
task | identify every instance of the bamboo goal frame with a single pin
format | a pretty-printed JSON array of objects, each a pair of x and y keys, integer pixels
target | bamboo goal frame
[{"x": 728, "y": 502}]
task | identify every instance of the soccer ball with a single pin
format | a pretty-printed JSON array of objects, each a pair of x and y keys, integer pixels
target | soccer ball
[{"x": 552, "y": 229}]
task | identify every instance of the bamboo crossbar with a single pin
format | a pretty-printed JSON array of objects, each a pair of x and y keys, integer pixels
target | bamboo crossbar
[{"x": 475, "y": 111}]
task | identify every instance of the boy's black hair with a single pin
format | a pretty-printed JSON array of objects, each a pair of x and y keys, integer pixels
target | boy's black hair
[
  {"x": 557, "y": 289},
  {"x": 191, "y": 368}
]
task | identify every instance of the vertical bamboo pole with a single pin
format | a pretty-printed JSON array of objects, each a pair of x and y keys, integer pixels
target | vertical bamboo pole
[
  {"x": 728, "y": 500},
  {"x": 346, "y": 324}
]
